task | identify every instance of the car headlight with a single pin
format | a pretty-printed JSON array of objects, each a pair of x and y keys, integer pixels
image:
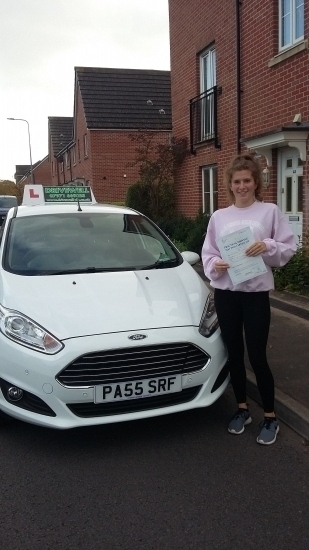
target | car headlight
[
  {"x": 26, "y": 332},
  {"x": 209, "y": 320}
]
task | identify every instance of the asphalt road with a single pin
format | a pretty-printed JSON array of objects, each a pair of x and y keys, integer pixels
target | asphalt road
[{"x": 175, "y": 482}]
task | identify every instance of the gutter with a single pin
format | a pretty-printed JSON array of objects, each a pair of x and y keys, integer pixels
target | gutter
[{"x": 238, "y": 77}]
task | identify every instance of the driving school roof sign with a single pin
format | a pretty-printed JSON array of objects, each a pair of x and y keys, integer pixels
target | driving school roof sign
[
  {"x": 41, "y": 194},
  {"x": 67, "y": 194}
]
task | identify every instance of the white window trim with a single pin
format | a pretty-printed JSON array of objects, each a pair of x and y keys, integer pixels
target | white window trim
[
  {"x": 209, "y": 169},
  {"x": 211, "y": 53},
  {"x": 207, "y": 103},
  {"x": 85, "y": 140},
  {"x": 294, "y": 40},
  {"x": 74, "y": 154}
]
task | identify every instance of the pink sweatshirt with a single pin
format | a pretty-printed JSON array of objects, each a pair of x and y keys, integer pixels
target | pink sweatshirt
[{"x": 267, "y": 224}]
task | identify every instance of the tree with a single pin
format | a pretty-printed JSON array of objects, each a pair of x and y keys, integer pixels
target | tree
[
  {"x": 8, "y": 187},
  {"x": 153, "y": 194}
]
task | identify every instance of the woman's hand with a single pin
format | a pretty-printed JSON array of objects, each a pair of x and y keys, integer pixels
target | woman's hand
[
  {"x": 221, "y": 266},
  {"x": 256, "y": 248}
]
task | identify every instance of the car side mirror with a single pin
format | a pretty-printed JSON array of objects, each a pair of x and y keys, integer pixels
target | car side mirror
[{"x": 191, "y": 257}]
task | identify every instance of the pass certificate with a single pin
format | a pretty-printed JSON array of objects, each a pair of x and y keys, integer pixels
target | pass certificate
[{"x": 232, "y": 248}]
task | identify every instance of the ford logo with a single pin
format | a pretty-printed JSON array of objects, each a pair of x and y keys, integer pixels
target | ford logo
[{"x": 137, "y": 337}]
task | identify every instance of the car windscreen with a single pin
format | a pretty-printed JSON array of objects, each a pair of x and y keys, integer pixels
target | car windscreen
[
  {"x": 86, "y": 242},
  {"x": 8, "y": 202}
]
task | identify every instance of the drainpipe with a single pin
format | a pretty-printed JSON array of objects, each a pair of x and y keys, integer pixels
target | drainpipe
[{"x": 238, "y": 80}]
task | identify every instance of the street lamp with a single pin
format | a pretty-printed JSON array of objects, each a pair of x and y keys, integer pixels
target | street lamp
[{"x": 24, "y": 120}]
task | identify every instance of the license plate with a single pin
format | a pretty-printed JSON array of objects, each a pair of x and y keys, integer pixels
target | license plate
[{"x": 138, "y": 389}]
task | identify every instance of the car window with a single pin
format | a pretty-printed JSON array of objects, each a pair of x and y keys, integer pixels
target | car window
[{"x": 85, "y": 241}]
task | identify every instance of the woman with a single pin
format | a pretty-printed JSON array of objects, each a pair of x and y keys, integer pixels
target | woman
[{"x": 245, "y": 306}]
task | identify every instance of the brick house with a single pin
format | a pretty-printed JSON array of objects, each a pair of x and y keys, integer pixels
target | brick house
[
  {"x": 240, "y": 80},
  {"x": 48, "y": 171},
  {"x": 60, "y": 135},
  {"x": 110, "y": 106},
  {"x": 41, "y": 172}
]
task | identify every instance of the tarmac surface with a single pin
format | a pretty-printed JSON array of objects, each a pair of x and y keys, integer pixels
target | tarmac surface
[{"x": 288, "y": 355}]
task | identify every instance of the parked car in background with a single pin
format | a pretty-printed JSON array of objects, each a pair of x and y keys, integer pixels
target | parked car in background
[
  {"x": 101, "y": 318},
  {"x": 6, "y": 202}
]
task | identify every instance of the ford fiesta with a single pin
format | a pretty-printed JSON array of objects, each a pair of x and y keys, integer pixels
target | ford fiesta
[{"x": 101, "y": 319}]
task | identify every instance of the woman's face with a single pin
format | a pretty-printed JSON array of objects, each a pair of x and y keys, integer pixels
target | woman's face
[{"x": 243, "y": 188}]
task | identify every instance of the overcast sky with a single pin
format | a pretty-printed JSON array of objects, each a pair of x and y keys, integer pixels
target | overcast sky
[{"x": 41, "y": 43}]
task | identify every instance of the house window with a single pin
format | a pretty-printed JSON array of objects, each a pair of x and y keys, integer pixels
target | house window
[
  {"x": 207, "y": 83},
  {"x": 78, "y": 149},
  {"x": 210, "y": 189},
  {"x": 85, "y": 145},
  {"x": 62, "y": 166},
  {"x": 291, "y": 18},
  {"x": 67, "y": 160},
  {"x": 74, "y": 155}
]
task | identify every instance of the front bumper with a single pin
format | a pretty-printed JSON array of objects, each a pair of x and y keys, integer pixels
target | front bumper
[{"x": 72, "y": 407}]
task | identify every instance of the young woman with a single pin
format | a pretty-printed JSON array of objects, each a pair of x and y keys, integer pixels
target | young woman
[{"x": 245, "y": 306}]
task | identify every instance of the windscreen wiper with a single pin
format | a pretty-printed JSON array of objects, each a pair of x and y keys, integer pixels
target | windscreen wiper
[
  {"x": 83, "y": 270},
  {"x": 161, "y": 263}
]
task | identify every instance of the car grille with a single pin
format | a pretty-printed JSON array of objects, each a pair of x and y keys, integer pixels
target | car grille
[
  {"x": 88, "y": 410},
  {"x": 121, "y": 365}
]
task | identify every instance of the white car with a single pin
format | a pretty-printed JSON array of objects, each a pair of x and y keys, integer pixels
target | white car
[{"x": 101, "y": 319}]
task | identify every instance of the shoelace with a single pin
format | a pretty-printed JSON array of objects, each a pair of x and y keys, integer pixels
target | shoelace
[
  {"x": 240, "y": 413},
  {"x": 267, "y": 423}
]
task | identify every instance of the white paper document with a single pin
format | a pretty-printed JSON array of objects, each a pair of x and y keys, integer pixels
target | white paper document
[{"x": 232, "y": 248}]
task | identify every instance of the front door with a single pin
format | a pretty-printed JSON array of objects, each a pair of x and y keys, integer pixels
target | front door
[{"x": 292, "y": 190}]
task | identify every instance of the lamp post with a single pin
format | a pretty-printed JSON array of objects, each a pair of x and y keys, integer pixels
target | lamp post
[{"x": 24, "y": 120}]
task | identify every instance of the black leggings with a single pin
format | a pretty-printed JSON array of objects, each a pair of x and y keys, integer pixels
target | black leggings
[{"x": 249, "y": 311}]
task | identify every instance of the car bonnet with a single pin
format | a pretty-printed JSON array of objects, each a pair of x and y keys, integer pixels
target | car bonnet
[{"x": 76, "y": 305}]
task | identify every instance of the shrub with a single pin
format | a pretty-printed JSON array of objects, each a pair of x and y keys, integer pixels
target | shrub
[
  {"x": 196, "y": 236},
  {"x": 177, "y": 226},
  {"x": 294, "y": 276},
  {"x": 190, "y": 232},
  {"x": 138, "y": 198},
  {"x": 179, "y": 245}
]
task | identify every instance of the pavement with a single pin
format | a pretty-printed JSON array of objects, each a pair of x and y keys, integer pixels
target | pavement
[{"x": 288, "y": 355}]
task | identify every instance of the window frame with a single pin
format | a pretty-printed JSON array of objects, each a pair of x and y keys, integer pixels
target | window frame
[
  {"x": 211, "y": 54},
  {"x": 294, "y": 41},
  {"x": 85, "y": 143},
  {"x": 212, "y": 192},
  {"x": 208, "y": 80},
  {"x": 67, "y": 160}
]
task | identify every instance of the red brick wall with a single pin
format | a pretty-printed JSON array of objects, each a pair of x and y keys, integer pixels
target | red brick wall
[
  {"x": 195, "y": 25},
  {"x": 107, "y": 166},
  {"x": 41, "y": 173},
  {"x": 83, "y": 166},
  {"x": 110, "y": 153},
  {"x": 270, "y": 97},
  {"x": 113, "y": 153}
]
